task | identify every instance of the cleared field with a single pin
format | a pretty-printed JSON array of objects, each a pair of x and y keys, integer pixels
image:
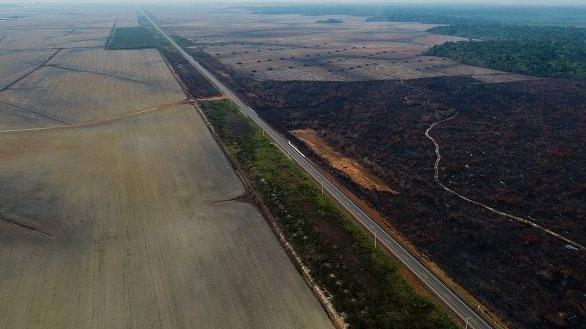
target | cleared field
[
  {"x": 43, "y": 27},
  {"x": 83, "y": 85},
  {"x": 295, "y": 47},
  {"x": 14, "y": 65},
  {"x": 131, "y": 232}
]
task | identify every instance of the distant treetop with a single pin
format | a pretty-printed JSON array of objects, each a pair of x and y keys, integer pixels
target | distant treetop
[{"x": 330, "y": 21}]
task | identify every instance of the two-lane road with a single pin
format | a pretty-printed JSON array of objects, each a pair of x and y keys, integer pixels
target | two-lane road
[{"x": 467, "y": 315}]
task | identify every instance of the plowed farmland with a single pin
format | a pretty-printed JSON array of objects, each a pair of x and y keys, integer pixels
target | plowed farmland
[
  {"x": 14, "y": 64},
  {"x": 118, "y": 208},
  {"x": 296, "y": 47},
  {"x": 82, "y": 85}
]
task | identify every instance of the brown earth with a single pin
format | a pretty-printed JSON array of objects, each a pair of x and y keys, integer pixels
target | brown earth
[
  {"x": 338, "y": 161},
  {"x": 109, "y": 212}
]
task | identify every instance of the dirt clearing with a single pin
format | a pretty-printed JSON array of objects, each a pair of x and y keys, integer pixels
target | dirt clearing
[
  {"x": 109, "y": 212},
  {"x": 84, "y": 85},
  {"x": 357, "y": 172}
]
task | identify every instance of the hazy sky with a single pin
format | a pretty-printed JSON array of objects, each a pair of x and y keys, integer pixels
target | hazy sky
[{"x": 484, "y": 2}]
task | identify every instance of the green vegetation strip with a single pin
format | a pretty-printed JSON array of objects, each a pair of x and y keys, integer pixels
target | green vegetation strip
[{"x": 364, "y": 284}]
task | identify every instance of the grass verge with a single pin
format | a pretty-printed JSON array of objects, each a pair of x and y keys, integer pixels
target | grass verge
[{"x": 364, "y": 285}]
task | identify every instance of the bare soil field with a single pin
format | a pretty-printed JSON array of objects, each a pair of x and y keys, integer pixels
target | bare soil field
[
  {"x": 357, "y": 172},
  {"x": 68, "y": 16},
  {"x": 132, "y": 232},
  {"x": 51, "y": 27},
  {"x": 83, "y": 85},
  {"x": 53, "y": 38},
  {"x": 118, "y": 208},
  {"x": 295, "y": 47}
]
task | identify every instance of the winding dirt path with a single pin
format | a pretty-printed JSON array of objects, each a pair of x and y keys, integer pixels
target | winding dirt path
[{"x": 491, "y": 209}]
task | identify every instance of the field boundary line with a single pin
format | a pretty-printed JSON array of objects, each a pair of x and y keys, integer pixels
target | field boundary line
[
  {"x": 480, "y": 204},
  {"x": 104, "y": 74},
  {"x": 456, "y": 304},
  {"x": 53, "y": 48},
  {"x": 110, "y": 36},
  {"x": 31, "y": 72},
  {"x": 73, "y": 29},
  {"x": 24, "y": 109},
  {"x": 26, "y": 227}
]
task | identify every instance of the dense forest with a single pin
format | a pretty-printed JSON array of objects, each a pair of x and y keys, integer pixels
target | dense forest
[
  {"x": 544, "y": 51},
  {"x": 443, "y": 14},
  {"x": 330, "y": 21}
]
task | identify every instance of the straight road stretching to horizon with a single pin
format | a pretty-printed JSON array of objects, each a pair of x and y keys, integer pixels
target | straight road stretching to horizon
[{"x": 458, "y": 306}]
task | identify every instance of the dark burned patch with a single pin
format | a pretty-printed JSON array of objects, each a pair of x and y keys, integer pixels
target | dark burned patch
[
  {"x": 244, "y": 198},
  {"x": 340, "y": 258}
]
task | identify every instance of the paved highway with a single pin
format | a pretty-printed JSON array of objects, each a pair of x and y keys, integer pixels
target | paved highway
[
  {"x": 472, "y": 319},
  {"x": 438, "y": 159}
]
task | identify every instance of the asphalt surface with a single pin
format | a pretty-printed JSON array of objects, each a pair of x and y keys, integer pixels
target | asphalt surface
[{"x": 458, "y": 306}]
